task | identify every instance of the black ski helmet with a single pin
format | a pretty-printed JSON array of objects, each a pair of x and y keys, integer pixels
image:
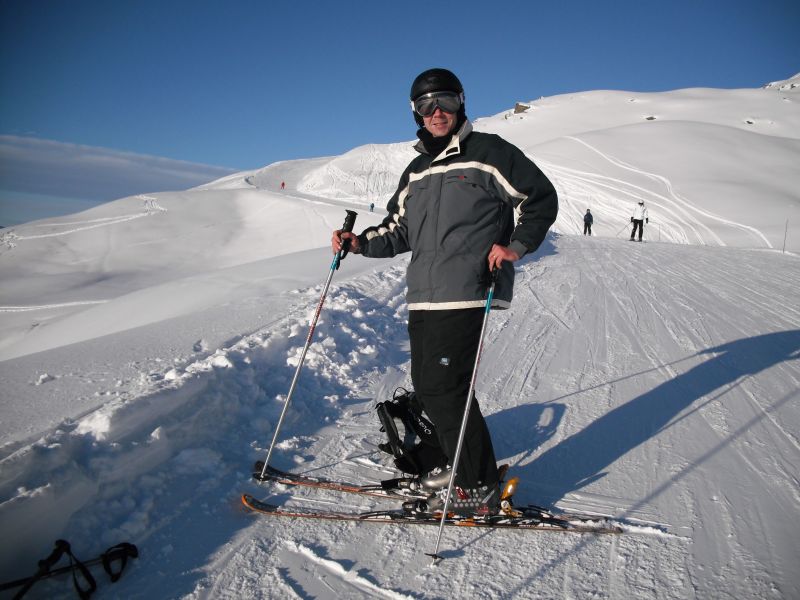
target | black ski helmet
[{"x": 435, "y": 80}]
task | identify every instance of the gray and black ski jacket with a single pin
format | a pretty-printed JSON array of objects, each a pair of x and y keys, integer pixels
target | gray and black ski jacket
[{"x": 449, "y": 210}]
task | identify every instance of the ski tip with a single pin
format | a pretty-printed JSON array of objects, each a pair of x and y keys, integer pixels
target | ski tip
[
  {"x": 262, "y": 474},
  {"x": 258, "y": 471},
  {"x": 249, "y": 502}
]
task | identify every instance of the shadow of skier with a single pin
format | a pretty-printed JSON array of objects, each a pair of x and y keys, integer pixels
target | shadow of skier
[
  {"x": 583, "y": 457},
  {"x": 521, "y": 430}
]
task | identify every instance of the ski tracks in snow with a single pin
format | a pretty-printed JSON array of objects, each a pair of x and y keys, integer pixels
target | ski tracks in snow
[
  {"x": 50, "y": 306},
  {"x": 200, "y": 425},
  {"x": 675, "y": 217},
  {"x": 587, "y": 337},
  {"x": 336, "y": 581},
  {"x": 669, "y": 336},
  {"x": 59, "y": 229}
]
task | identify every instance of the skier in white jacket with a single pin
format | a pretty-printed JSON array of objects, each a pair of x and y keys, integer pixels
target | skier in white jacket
[{"x": 638, "y": 219}]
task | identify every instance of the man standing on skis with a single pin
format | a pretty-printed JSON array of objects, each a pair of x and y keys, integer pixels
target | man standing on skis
[{"x": 454, "y": 210}]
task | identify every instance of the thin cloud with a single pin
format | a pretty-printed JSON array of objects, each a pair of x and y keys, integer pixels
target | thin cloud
[{"x": 37, "y": 166}]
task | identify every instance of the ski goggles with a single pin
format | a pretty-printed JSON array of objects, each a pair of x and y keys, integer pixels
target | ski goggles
[{"x": 426, "y": 104}]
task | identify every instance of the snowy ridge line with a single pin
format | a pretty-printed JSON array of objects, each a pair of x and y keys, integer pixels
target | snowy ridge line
[
  {"x": 675, "y": 196},
  {"x": 114, "y": 221},
  {"x": 65, "y": 223},
  {"x": 365, "y": 173},
  {"x": 48, "y": 306}
]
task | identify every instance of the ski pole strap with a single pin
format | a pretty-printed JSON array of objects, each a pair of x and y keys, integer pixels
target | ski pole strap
[
  {"x": 120, "y": 552},
  {"x": 44, "y": 568},
  {"x": 77, "y": 566},
  {"x": 388, "y": 427},
  {"x": 62, "y": 548}
]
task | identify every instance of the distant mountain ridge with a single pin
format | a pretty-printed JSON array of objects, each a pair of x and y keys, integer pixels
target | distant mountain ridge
[{"x": 714, "y": 166}]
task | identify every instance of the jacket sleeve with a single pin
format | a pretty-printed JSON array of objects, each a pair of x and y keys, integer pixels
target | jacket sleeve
[
  {"x": 536, "y": 203},
  {"x": 391, "y": 236}
]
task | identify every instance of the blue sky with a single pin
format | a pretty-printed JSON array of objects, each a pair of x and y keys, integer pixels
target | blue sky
[{"x": 240, "y": 84}]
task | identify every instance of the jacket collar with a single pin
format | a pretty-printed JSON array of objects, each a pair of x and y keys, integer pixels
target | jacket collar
[{"x": 454, "y": 147}]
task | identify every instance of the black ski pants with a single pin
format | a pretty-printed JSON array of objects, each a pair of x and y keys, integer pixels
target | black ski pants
[
  {"x": 444, "y": 344},
  {"x": 640, "y": 224}
]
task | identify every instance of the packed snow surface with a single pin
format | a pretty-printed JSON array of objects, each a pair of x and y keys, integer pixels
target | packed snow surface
[{"x": 147, "y": 347}]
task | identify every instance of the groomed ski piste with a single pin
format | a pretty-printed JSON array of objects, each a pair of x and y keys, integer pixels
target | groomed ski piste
[{"x": 147, "y": 347}]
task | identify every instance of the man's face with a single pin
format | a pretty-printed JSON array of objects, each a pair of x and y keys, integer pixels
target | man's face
[{"x": 440, "y": 123}]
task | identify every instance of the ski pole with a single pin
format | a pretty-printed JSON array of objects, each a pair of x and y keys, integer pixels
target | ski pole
[
  {"x": 349, "y": 221},
  {"x": 435, "y": 555}
]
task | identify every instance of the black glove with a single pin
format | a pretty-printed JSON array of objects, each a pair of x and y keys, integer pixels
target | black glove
[
  {"x": 631, "y": 219},
  {"x": 647, "y": 220}
]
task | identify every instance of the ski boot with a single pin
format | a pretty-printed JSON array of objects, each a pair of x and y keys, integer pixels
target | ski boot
[
  {"x": 433, "y": 481},
  {"x": 483, "y": 501}
]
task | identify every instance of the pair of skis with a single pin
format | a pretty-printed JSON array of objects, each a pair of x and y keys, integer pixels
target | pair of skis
[
  {"x": 529, "y": 517},
  {"x": 510, "y": 517}
]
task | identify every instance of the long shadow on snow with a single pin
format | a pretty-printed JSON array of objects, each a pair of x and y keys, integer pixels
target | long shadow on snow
[
  {"x": 523, "y": 429},
  {"x": 583, "y": 457}
]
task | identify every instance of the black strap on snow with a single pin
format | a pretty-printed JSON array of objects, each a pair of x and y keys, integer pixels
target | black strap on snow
[
  {"x": 410, "y": 457},
  {"x": 395, "y": 445},
  {"x": 120, "y": 553},
  {"x": 75, "y": 566},
  {"x": 406, "y": 406},
  {"x": 78, "y": 566},
  {"x": 44, "y": 568}
]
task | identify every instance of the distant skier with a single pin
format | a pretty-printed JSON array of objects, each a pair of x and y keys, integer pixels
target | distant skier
[
  {"x": 371, "y": 206},
  {"x": 587, "y": 222},
  {"x": 283, "y": 184},
  {"x": 638, "y": 219},
  {"x": 455, "y": 210}
]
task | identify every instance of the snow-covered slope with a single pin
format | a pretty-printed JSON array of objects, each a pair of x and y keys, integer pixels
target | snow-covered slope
[
  {"x": 146, "y": 348},
  {"x": 715, "y": 167}
]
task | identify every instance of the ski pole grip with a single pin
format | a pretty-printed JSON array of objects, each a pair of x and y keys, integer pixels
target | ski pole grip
[{"x": 349, "y": 222}]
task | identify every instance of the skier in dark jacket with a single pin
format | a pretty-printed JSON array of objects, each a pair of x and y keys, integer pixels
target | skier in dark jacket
[
  {"x": 588, "y": 219},
  {"x": 454, "y": 210}
]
